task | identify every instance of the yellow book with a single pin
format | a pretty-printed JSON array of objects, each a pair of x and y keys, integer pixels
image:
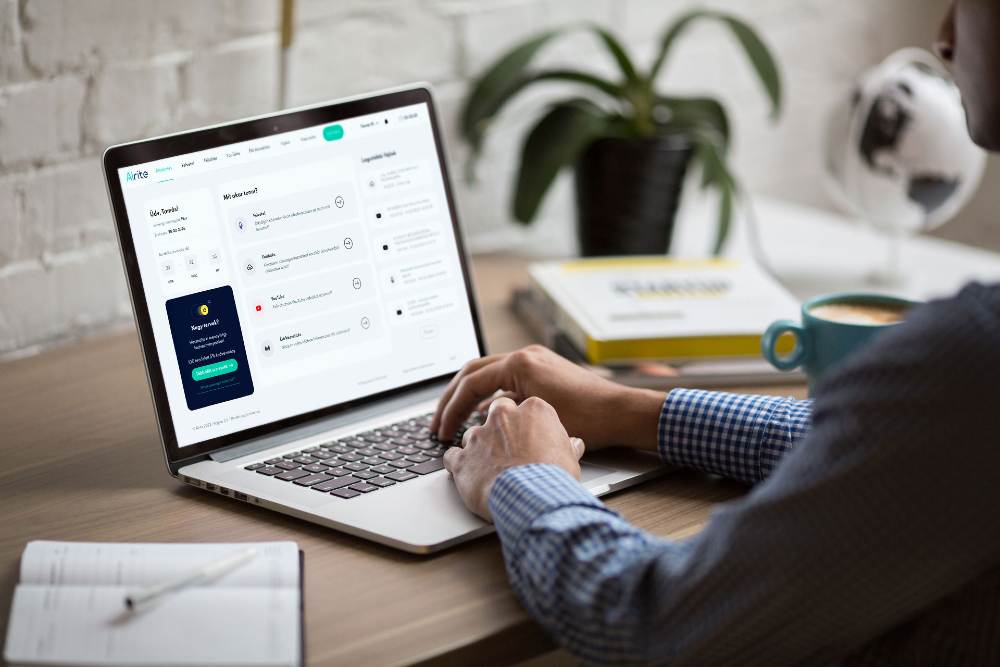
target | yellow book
[{"x": 619, "y": 309}]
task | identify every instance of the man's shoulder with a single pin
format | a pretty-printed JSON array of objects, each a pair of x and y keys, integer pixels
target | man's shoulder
[
  {"x": 946, "y": 344},
  {"x": 974, "y": 295},
  {"x": 970, "y": 317}
]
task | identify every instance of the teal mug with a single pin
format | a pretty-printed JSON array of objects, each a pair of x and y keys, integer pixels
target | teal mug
[{"x": 833, "y": 326}]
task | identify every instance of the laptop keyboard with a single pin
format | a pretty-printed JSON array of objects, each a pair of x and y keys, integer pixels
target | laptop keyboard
[{"x": 364, "y": 462}]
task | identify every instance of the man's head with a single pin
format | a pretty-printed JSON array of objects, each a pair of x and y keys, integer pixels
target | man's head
[{"x": 969, "y": 40}]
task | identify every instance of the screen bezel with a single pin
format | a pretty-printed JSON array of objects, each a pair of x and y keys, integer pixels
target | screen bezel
[{"x": 128, "y": 155}]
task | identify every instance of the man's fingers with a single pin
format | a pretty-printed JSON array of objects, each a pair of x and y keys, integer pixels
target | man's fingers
[
  {"x": 471, "y": 389},
  {"x": 484, "y": 405},
  {"x": 498, "y": 403},
  {"x": 451, "y": 458},
  {"x": 473, "y": 365},
  {"x": 578, "y": 447}
]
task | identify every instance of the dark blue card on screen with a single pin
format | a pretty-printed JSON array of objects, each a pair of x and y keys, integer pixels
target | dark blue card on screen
[{"x": 209, "y": 344}]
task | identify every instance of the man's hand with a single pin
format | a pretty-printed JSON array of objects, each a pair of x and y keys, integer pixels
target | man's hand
[
  {"x": 599, "y": 411},
  {"x": 513, "y": 435}
]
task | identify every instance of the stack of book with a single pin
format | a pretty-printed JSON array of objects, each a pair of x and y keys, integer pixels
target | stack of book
[{"x": 659, "y": 322}]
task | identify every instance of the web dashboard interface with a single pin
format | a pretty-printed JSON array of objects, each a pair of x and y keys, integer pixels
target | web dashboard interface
[{"x": 298, "y": 271}]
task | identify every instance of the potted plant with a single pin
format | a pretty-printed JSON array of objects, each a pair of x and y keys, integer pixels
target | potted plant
[{"x": 631, "y": 144}]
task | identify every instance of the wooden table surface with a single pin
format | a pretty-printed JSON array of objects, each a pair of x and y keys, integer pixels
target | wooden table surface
[{"x": 82, "y": 461}]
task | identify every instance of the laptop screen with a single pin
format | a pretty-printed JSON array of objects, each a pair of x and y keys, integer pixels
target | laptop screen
[{"x": 298, "y": 271}]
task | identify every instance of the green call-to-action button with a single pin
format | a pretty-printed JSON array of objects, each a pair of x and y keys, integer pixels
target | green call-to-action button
[
  {"x": 212, "y": 370},
  {"x": 333, "y": 132}
]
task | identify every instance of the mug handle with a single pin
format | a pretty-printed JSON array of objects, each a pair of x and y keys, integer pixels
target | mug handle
[{"x": 769, "y": 341}]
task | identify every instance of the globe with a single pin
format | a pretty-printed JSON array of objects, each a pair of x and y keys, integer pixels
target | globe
[{"x": 898, "y": 152}]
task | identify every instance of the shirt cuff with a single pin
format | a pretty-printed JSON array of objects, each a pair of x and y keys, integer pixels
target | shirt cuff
[
  {"x": 661, "y": 429},
  {"x": 716, "y": 432},
  {"x": 522, "y": 494}
]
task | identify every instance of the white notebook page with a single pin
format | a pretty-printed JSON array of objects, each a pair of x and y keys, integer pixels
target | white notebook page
[
  {"x": 69, "y": 608},
  {"x": 122, "y": 564}
]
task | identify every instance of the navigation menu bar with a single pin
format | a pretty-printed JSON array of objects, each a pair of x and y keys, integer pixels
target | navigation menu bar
[{"x": 169, "y": 169}]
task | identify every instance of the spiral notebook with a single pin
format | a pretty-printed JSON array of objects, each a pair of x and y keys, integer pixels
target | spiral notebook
[{"x": 68, "y": 608}]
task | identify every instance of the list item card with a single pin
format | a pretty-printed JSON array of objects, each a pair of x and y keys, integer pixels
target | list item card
[{"x": 210, "y": 350}]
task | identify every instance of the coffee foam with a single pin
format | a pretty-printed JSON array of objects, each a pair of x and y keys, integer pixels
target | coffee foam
[{"x": 859, "y": 313}]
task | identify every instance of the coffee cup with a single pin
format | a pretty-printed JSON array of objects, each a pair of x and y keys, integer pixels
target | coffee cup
[{"x": 832, "y": 328}]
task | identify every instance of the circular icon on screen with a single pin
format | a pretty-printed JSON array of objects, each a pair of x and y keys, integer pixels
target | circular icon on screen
[
  {"x": 339, "y": 201},
  {"x": 267, "y": 348},
  {"x": 356, "y": 283},
  {"x": 241, "y": 225},
  {"x": 365, "y": 323},
  {"x": 348, "y": 243}
]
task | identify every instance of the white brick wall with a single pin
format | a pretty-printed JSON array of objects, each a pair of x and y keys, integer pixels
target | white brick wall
[
  {"x": 358, "y": 46},
  {"x": 238, "y": 78},
  {"x": 40, "y": 121},
  {"x": 78, "y": 75},
  {"x": 121, "y": 95}
]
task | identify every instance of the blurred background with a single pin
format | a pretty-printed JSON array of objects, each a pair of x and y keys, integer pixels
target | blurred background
[{"x": 76, "y": 77}]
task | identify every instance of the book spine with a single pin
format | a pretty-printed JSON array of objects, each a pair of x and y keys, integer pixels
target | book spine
[
  {"x": 561, "y": 320},
  {"x": 684, "y": 348},
  {"x": 527, "y": 306}
]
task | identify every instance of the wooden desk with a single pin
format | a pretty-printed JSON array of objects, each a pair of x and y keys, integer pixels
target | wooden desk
[{"x": 82, "y": 461}]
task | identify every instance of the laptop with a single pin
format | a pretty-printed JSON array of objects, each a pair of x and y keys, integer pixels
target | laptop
[{"x": 302, "y": 297}]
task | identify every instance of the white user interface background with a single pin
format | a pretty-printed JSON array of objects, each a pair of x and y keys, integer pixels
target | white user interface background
[{"x": 340, "y": 253}]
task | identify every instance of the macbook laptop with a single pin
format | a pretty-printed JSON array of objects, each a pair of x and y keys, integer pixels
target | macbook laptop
[{"x": 302, "y": 297}]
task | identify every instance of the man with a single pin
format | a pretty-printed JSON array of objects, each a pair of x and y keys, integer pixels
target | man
[{"x": 871, "y": 537}]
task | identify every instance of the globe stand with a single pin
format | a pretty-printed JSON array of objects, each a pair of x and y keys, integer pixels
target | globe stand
[{"x": 891, "y": 274}]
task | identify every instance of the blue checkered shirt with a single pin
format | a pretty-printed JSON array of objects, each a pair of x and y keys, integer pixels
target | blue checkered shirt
[
  {"x": 738, "y": 436},
  {"x": 870, "y": 537}
]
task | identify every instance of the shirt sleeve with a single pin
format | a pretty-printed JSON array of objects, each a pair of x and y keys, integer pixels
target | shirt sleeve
[
  {"x": 577, "y": 566},
  {"x": 888, "y": 507},
  {"x": 740, "y": 436}
]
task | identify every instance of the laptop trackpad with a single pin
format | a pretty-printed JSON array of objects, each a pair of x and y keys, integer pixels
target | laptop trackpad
[{"x": 590, "y": 472}]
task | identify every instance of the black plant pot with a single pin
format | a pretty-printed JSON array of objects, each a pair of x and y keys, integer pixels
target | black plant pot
[{"x": 627, "y": 191}]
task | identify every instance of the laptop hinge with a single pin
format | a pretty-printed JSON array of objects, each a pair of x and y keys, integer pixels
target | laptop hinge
[{"x": 327, "y": 424}]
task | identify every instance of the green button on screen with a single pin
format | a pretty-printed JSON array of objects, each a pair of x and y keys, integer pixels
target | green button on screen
[
  {"x": 333, "y": 132},
  {"x": 212, "y": 370}
]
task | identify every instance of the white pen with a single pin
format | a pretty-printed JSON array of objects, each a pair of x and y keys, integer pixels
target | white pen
[{"x": 143, "y": 596}]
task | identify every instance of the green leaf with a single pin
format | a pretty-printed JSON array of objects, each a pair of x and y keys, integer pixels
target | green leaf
[
  {"x": 619, "y": 54},
  {"x": 556, "y": 141},
  {"x": 671, "y": 35},
  {"x": 493, "y": 88},
  {"x": 478, "y": 118},
  {"x": 509, "y": 75},
  {"x": 716, "y": 174},
  {"x": 609, "y": 88},
  {"x": 710, "y": 154},
  {"x": 702, "y": 116},
  {"x": 479, "y": 110},
  {"x": 725, "y": 219},
  {"x": 757, "y": 52},
  {"x": 761, "y": 59},
  {"x": 699, "y": 114}
]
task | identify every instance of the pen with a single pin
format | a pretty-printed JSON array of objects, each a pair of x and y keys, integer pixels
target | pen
[{"x": 143, "y": 596}]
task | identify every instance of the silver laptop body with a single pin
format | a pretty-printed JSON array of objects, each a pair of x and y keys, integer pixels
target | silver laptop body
[{"x": 253, "y": 354}]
